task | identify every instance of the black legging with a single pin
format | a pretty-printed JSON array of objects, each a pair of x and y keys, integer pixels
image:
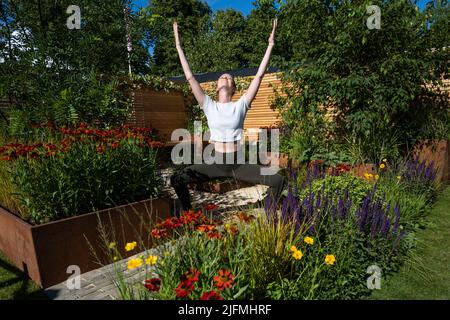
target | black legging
[{"x": 198, "y": 173}]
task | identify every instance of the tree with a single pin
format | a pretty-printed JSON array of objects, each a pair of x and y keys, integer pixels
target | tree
[
  {"x": 193, "y": 18},
  {"x": 381, "y": 84},
  {"x": 257, "y": 31},
  {"x": 56, "y": 73},
  {"x": 222, "y": 48}
]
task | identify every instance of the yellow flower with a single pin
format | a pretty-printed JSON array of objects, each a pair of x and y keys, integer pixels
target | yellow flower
[
  {"x": 382, "y": 166},
  {"x": 112, "y": 245},
  {"x": 134, "y": 263},
  {"x": 366, "y": 175},
  {"x": 297, "y": 255},
  {"x": 294, "y": 248},
  {"x": 309, "y": 240},
  {"x": 370, "y": 175},
  {"x": 130, "y": 246},
  {"x": 116, "y": 258},
  {"x": 330, "y": 259},
  {"x": 398, "y": 177},
  {"x": 151, "y": 260},
  {"x": 377, "y": 177},
  {"x": 384, "y": 160}
]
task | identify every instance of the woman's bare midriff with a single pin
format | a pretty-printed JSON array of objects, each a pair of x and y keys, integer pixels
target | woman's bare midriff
[{"x": 225, "y": 147}]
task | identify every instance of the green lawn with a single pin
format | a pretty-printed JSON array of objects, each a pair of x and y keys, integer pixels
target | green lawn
[
  {"x": 14, "y": 285},
  {"x": 428, "y": 276}
]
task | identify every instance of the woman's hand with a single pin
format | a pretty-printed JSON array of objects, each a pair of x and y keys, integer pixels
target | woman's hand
[
  {"x": 175, "y": 32},
  {"x": 272, "y": 36}
]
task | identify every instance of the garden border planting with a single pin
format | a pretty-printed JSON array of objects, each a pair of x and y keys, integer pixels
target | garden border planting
[{"x": 45, "y": 251}]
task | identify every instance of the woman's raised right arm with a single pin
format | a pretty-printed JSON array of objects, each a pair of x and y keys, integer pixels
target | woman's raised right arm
[{"x": 195, "y": 86}]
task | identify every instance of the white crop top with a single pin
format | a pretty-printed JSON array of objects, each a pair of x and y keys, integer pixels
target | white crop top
[{"x": 225, "y": 120}]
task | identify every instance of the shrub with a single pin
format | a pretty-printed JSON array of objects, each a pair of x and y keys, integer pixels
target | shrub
[{"x": 353, "y": 187}]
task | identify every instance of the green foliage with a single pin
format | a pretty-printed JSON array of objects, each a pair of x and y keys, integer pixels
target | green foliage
[
  {"x": 68, "y": 75},
  {"x": 87, "y": 177},
  {"x": 373, "y": 80},
  {"x": 338, "y": 186}
]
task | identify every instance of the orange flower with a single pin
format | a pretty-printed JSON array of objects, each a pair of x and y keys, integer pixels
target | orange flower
[
  {"x": 206, "y": 228},
  {"x": 159, "y": 233},
  {"x": 214, "y": 235},
  {"x": 191, "y": 275},
  {"x": 245, "y": 217},
  {"x": 184, "y": 289},
  {"x": 224, "y": 279}
]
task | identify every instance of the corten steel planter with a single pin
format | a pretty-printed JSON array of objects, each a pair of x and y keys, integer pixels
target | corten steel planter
[
  {"x": 437, "y": 151},
  {"x": 45, "y": 251}
]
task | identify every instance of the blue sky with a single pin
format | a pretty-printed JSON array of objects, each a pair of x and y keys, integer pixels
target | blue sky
[
  {"x": 245, "y": 6},
  {"x": 242, "y": 5}
]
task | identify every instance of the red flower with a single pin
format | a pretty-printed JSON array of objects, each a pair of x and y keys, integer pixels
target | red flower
[
  {"x": 210, "y": 206},
  {"x": 211, "y": 295},
  {"x": 224, "y": 279},
  {"x": 245, "y": 217},
  {"x": 171, "y": 223},
  {"x": 159, "y": 233},
  {"x": 6, "y": 158},
  {"x": 100, "y": 149},
  {"x": 153, "y": 284},
  {"x": 214, "y": 235},
  {"x": 114, "y": 145},
  {"x": 190, "y": 276},
  {"x": 206, "y": 228},
  {"x": 190, "y": 216},
  {"x": 184, "y": 289}
]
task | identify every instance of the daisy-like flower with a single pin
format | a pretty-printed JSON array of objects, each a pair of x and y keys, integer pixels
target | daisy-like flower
[
  {"x": 131, "y": 246},
  {"x": 184, "y": 289},
  {"x": 151, "y": 260},
  {"x": 309, "y": 240},
  {"x": 211, "y": 295},
  {"x": 153, "y": 284},
  {"x": 159, "y": 233},
  {"x": 297, "y": 255},
  {"x": 224, "y": 279},
  {"x": 330, "y": 259},
  {"x": 134, "y": 263},
  {"x": 191, "y": 275},
  {"x": 382, "y": 166},
  {"x": 294, "y": 248}
]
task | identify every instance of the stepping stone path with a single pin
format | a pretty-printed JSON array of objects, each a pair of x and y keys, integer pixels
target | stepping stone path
[{"x": 100, "y": 284}]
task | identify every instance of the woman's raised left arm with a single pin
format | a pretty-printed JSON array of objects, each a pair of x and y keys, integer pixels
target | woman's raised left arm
[{"x": 256, "y": 82}]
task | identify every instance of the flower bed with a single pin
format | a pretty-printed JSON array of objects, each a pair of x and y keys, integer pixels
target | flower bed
[
  {"x": 70, "y": 172},
  {"x": 45, "y": 251},
  {"x": 328, "y": 230},
  {"x": 59, "y": 190}
]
